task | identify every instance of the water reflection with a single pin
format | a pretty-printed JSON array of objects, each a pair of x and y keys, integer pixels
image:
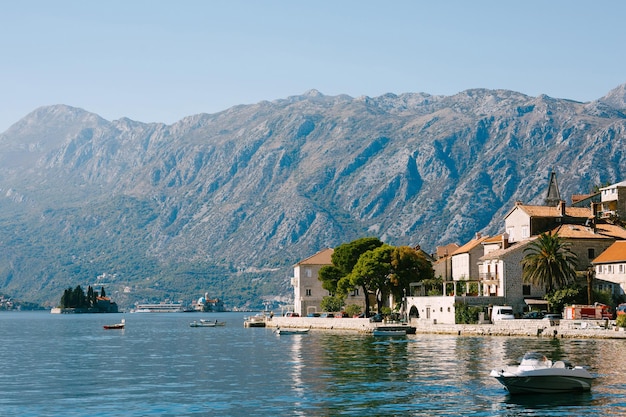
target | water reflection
[{"x": 160, "y": 366}]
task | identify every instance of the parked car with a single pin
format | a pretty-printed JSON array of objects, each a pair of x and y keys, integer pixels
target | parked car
[
  {"x": 313, "y": 315},
  {"x": 621, "y": 309},
  {"x": 533, "y": 315},
  {"x": 341, "y": 315},
  {"x": 552, "y": 316},
  {"x": 292, "y": 314},
  {"x": 328, "y": 315},
  {"x": 376, "y": 318},
  {"x": 502, "y": 313}
]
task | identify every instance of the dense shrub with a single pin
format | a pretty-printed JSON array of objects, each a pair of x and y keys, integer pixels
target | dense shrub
[{"x": 465, "y": 314}]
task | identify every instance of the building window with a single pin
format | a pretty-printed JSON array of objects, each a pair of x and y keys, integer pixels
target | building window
[
  {"x": 621, "y": 268},
  {"x": 308, "y": 272},
  {"x": 355, "y": 292},
  {"x": 591, "y": 253},
  {"x": 610, "y": 269},
  {"x": 308, "y": 292},
  {"x": 526, "y": 289},
  {"x": 525, "y": 233}
]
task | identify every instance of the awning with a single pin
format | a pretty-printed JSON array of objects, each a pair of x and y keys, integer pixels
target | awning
[{"x": 533, "y": 302}]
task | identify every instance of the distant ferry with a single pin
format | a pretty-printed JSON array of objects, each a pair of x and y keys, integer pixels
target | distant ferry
[{"x": 159, "y": 308}]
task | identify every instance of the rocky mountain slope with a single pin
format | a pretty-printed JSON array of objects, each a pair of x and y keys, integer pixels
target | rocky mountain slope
[{"x": 228, "y": 202}]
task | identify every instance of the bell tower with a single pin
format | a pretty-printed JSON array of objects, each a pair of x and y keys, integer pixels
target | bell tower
[{"x": 553, "y": 196}]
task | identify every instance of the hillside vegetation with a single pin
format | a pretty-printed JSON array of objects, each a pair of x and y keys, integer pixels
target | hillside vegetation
[{"x": 227, "y": 203}]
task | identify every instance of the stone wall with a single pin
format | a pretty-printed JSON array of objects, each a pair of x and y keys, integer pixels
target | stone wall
[{"x": 582, "y": 329}]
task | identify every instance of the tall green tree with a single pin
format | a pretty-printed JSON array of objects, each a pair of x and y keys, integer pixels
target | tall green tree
[
  {"x": 371, "y": 273},
  {"x": 330, "y": 276},
  {"x": 91, "y": 298},
  {"x": 549, "y": 262},
  {"x": 408, "y": 265},
  {"x": 344, "y": 258}
]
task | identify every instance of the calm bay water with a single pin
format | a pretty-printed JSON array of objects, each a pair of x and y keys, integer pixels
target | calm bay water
[{"x": 68, "y": 365}]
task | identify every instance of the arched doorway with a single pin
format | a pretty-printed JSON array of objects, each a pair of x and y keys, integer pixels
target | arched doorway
[{"x": 414, "y": 313}]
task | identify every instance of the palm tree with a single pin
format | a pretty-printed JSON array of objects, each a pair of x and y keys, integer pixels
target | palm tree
[{"x": 549, "y": 262}]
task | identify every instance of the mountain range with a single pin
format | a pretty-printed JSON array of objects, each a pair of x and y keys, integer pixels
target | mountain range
[{"x": 227, "y": 203}]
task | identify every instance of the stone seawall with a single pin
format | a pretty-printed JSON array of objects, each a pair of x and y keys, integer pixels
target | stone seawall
[
  {"x": 583, "y": 329},
  {"x": 360, "y": 325}
]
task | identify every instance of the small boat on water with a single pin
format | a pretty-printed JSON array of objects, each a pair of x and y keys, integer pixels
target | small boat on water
[
  {"x": 538, "y": 374},
  {"x": 292, "y": 331},
  {"x": 389, "y": 332},
  {"x": 216, "y": 323},
  {"x": 117, "y": 326},
  {"x": 257, "y": 320},
  {"x": 201, "y": 323}
]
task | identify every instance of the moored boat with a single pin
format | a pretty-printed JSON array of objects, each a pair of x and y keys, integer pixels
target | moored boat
[
  {"x": 400, "y": 327},
  {"x": 255, "y": 321},
  {"x": 216, "y": 323},
  {"x": 202, "y": 324},
  {"x": 291, "y": 331},
  {"x": 537, "y": 374},
  {"x": 389, "y": 332}
]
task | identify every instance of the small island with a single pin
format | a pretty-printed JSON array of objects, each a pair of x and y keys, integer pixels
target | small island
[{"x": 75, "y": 301}]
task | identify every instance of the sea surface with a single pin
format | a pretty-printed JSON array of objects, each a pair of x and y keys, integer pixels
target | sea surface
[{"x": 68, "y": 365}]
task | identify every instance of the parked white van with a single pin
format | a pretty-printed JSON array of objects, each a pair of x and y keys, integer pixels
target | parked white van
[{"x": 502, "y": 313}]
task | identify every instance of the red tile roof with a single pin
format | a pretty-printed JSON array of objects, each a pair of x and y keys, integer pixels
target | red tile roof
[
  {"x": 470, "y": 245},
  {"x": 615, "y": 253},
  {"x": 320, "y": 258},
  {"x": 546, "y": 211}
]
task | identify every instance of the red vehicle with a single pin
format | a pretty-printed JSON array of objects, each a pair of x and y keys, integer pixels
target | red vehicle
[{"x": 588, "y": 312}]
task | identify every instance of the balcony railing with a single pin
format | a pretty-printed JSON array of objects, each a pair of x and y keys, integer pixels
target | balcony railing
[{"x": 488, "y": 276}]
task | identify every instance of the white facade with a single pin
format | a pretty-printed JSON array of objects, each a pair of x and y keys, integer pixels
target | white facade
[
  {"x": 613, "y": 200},
  {"x": 464, "y": 260},
  {"x": 307, "y": 288},
  {"x": 611, "y": 265},
  {"x": 517, "y": 225}
]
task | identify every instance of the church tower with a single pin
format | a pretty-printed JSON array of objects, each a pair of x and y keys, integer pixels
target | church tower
[{"x": 553, "y": 197}]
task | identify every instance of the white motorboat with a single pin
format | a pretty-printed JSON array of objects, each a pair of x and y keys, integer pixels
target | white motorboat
[
  {"x": 292, "y": 331},
  {"x": 538, "y": 374}
]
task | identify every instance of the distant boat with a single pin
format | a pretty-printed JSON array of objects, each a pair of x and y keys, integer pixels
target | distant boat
[
  {"x": 159, "y": 308},
  {"x": 292, "y": 331},
  {"x": 202, "y": 324},
  {"x": 117, "y": 326},
  {"x": 216, "y": 323}
]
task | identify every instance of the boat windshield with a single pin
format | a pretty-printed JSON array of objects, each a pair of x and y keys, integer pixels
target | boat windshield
[{"x": 534, "y": 356}]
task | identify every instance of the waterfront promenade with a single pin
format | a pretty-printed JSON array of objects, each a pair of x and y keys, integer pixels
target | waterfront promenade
[{"x": 587, "y": 329}]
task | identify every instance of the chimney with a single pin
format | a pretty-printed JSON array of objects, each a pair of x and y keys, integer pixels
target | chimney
[
  {"x": 561, "y": 208},
  {"x": 594, "y": 209},
  {"x": 505, "y": 240},
  {"x": 478, "y": 235}
]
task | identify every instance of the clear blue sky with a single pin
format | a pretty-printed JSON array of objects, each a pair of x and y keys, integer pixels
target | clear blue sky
[{"x": 159, "y": 61}]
